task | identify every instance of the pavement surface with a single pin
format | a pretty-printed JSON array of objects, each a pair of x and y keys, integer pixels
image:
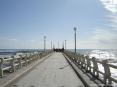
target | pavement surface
[{"x": 53, "y": 72}]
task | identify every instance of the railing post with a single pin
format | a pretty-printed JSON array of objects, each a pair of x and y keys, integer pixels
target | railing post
[
  {"x": 34, "y": 56},
  {"x": 30, "y": 58},
  {"x": 95, "y": 67},
  {"x": 71, "y": 56},
  {"x": 75, "y": 59},
  {"x": 1, "y": 66},
  {"x": 88, "y": 67},
  {"x": 107, "y": 73},
  {"x": 13, "y": 64},
  {"x": 38, "y": 56},
  {"x": 20, "y": 61},
  {"x": 78, "y": 60},
  {"x": 25, "y": 59},
  {"x": 82, "y": 61}
]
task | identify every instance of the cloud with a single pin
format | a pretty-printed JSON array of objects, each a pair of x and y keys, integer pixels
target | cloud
[
  {"x": 101, "y": 39},
  {"x": 107, "y": 37},
  {"x": 110, "y": 5},
  {"x": 113, "y": 21}
]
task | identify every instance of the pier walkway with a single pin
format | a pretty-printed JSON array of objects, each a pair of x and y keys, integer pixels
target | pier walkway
[{"x": 55, "y": 71}]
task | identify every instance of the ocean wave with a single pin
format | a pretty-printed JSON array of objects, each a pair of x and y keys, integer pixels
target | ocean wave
[{"x": 99, "y": 54}]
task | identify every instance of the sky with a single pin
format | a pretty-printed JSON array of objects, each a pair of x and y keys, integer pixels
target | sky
[{"x": 24, "y": 23}]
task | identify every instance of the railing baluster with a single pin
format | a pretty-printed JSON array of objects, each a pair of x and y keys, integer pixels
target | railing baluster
[
  {"x": 95, "y": 67},
  {"x": 13, "y": 63},
  {"x": 82, "y": 61},
  {"x": 88, "y": 69},
  {"x": 20, "y": 61},
  {"x": 1, "y": 66},
  {"x": 107, "y": 73},
  {"x": 85, "y": 62}
]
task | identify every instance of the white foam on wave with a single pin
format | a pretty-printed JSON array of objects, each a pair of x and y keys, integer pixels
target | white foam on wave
[{"x": 102, "y": 54}]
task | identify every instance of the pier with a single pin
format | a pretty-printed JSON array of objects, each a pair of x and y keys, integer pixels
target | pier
[
  {"x": 55, "y": 68},
  {"x": 58, "y": 43}
]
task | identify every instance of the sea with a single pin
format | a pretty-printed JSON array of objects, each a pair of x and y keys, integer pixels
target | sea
[
  {"x": 97, "y": 53},
  {"x": 6, "y": 53}
]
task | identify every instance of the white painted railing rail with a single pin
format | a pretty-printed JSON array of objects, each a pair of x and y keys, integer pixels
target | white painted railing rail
[
  {"x": 14, "y": 63},
  {"x": 91, "y": 65}
]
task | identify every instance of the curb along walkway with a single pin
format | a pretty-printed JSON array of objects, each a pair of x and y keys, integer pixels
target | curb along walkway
[{"x": 53, "y": 72}]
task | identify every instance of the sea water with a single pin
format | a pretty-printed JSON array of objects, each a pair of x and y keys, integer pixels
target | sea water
[
  {"x": 11, "y": 52},
  {"x": 98, "y": 53}
]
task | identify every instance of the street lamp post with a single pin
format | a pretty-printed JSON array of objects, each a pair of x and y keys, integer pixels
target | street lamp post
[
  {"x": 75, "y": 37},
  {"x": 65, "y": 44},
  {"x": 44, "y": 43},
  {"x": 58, "y": 44},
  {"x": 51, "y": 45}
]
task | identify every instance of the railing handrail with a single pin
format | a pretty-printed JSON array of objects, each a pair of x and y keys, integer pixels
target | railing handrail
[
  {"x": 24, "y": 59},
  {"x": 85, "y": 61}
]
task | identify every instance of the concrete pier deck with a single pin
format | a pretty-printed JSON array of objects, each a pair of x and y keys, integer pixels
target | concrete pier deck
[{"x": 53, "y": 72}]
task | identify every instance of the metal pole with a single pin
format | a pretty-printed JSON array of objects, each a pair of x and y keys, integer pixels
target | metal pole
[
  {"x": 44, "y": 43},
  {"x": 58, "y": 44},
  {"x": 51, "y": 45},
  {"x": 65, "y": 44},
  {"x": 75, "y": 37}
]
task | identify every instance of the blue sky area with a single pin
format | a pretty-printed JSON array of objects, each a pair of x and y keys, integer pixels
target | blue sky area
[{"x": 23, "y": 23}]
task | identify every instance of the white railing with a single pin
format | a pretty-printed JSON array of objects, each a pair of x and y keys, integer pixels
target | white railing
[
  {"x": 91, "y": 65},
  {"x": 14, "y": 63}
]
